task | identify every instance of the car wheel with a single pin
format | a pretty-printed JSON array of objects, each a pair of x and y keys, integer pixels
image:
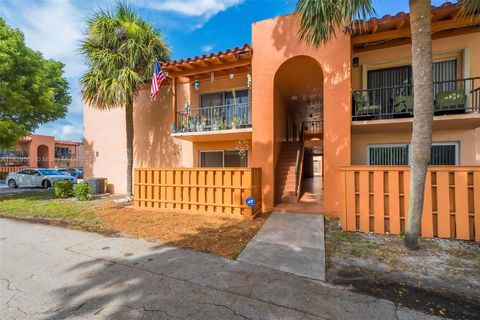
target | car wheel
[
  {"x": 12, "y": 184},
  {"x": 46, "y": 184}
]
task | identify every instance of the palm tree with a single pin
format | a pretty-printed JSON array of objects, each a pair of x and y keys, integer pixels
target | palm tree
[
  {"x": 119, "y": 49},
  {"x": 319, "y": 20}
]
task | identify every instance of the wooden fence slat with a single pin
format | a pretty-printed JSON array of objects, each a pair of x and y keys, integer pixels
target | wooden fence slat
[
  {"x": 394, "y": 202},
  {"x": 443, "y": 205},
  {"x": 202, "y": 193},
  {"x": 462, "y": 223},
  {"x": 227, "y": 193},
  {"x": 476, "y": 199},
  {"x": 427, "y": 215},
  {"x": 351, "y": 218},
  {"x": 364, "y": 202},
  {"x": 378, "y": 202},
  {"x": 406, "y": 196},
  {"x": 343, "y": 201}
]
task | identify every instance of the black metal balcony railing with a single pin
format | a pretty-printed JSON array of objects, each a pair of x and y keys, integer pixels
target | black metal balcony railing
[
  {"x": 450, "y": 97},
  {"x": 13, "y": 154},
  {"x": 312, "y": 127},
  {"x": 234, "y": 116}
]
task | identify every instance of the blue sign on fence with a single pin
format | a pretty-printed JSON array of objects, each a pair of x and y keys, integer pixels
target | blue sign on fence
[{"x": 250, "y": 201}]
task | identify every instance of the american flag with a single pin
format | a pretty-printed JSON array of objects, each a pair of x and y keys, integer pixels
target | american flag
[{"x": 157, "y": 79}]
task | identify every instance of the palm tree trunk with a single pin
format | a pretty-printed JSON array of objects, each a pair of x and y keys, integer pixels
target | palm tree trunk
[
  {"x": 129, "y": 128},
  {"x": 420, "y": 21}
]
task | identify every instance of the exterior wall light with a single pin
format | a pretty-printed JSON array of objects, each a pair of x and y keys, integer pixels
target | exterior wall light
[
  {"x": 356, "y": 62},
  {"x": 196, "y": 84}
]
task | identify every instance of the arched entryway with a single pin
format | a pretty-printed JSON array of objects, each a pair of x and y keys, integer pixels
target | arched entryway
[
  {"x": 298, "y": 130},
  {"x": 42, "y": 156}
]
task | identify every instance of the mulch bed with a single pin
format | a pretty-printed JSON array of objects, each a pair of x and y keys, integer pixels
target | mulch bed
[{"x": 223, "y": 235}]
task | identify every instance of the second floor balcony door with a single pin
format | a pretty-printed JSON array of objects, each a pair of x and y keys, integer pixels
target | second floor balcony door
[{"x": 236, "y": 103}]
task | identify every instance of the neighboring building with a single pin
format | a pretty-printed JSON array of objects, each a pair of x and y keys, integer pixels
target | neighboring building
[
  {"x": 349, "y": 101},
  {"x": 43, "y": 152}
]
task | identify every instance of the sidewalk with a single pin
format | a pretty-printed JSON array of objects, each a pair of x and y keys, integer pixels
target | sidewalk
[
  {"x": 290, "y": 242},
  {"x": 54, "y": 273}
]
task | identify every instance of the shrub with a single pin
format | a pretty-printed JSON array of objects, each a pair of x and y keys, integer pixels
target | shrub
[
  {"x": 63, "y": 188},
  {"x": 3, "y": 175},
  {"x": 82, "y": 191}
]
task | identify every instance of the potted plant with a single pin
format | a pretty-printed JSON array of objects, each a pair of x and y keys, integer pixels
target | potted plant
[
  {"x": 192, "y": 124},
  {"x": 202, "y": 124},
  {"x": 235, "y": 122},
  {"x": 216, "y": 121}
]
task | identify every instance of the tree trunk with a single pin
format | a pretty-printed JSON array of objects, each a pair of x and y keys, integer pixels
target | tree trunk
[
  {"x": 129, "y": 128},
  {"x": 420, "y": 21}
]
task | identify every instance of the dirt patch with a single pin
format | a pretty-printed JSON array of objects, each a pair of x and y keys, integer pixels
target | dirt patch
[
  {"x": 219, "y": 234},
  {"x": 441, "y": 278}
]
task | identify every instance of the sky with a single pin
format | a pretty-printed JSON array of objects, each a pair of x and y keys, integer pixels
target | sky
[{"x": 190, "y": 28}]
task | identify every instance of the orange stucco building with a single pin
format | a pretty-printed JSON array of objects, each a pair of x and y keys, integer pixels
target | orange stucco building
[
  {"x": 41, "y": 151},
  {"x": 278, "y": 103}
]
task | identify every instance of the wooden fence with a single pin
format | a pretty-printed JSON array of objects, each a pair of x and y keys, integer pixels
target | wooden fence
[
  {"x": 12, "y": 169},
  {"x": 376, "y": 199},
  {"x": 222, "y": 190}
]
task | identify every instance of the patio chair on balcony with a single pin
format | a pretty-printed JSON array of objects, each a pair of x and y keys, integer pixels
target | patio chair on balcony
[
  {"x": 403, "y": 105},
  {"x": 450, "y": 102},
  {"x": 363, "y": 108}
]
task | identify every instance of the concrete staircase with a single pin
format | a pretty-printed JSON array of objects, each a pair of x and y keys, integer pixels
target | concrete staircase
[{"x": 285, "y": 173}]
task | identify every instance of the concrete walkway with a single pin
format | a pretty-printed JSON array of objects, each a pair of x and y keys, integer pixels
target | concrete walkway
[
  {"x": 290, "y": 242},
  {"x": 54, "y": 273}
]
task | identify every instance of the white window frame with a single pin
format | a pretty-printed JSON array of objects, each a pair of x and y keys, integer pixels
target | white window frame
[
  {"x": 449, "y": 143},
  {"x": 441, "y": 143},
  {"x": 206, "y": 151},
  {"x": 223, "y": 156}
]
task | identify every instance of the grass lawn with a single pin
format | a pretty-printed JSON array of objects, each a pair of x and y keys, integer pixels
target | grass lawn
[
  {"x": 43, "y": 206},
  {"x": 220, "y": 234}
]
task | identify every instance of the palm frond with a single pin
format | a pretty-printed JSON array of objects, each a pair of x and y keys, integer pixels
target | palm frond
[
  {"x": 119, "y": 49},
  {"x": 470, "y": 10},
  {"x": 320, "y": 19}
]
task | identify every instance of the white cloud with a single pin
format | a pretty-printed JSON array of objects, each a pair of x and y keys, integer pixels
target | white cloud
[
  {"x": 207, "y": 48},
  {"x": 51, "y": 27},
  {"x": 62, "y": 130},
  {"x": 55, "y": 28},
  {"x": 192, "y": 8}
]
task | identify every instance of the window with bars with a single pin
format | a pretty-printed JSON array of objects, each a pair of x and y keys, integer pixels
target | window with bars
[
  {"x": 388, "y": 155},
  {"x": 443, "y": 153}
]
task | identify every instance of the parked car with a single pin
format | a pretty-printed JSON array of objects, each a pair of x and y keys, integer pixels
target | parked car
[
  {"x": 74, "y": 172},
  {"x": 37, "y": 178}
]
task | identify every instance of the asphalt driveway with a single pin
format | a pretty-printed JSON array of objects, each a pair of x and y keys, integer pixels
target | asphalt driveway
[
  {"x": 4, "y": 189},
  {"x": 54, "y": 273}
]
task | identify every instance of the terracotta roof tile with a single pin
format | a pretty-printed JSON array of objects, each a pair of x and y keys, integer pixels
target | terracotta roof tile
[
  {"x": 236, "y": 50},
  {"x": 67, "y": 143},
  {"x": 389, "y": 22}
]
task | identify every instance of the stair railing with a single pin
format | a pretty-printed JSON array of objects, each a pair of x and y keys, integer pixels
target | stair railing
[{"x": 299, "y": 163}]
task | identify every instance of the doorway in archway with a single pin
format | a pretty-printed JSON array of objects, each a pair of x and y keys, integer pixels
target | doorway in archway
[
  {"x": 298, "y": 109},
  {"x": 42, "y": 156}
]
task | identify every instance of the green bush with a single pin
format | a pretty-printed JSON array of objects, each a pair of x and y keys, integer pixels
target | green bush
[
  {"x": 82, "y": 191},
  {"x": 63, "y": 188},
  {"x": 3, "y": 175}
]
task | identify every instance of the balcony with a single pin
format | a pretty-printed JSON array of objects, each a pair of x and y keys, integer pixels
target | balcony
[
  {"x": 13, "y": 158},
  {"x": 233, "y": 121},
  {"x": 454, "y": 97}
]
